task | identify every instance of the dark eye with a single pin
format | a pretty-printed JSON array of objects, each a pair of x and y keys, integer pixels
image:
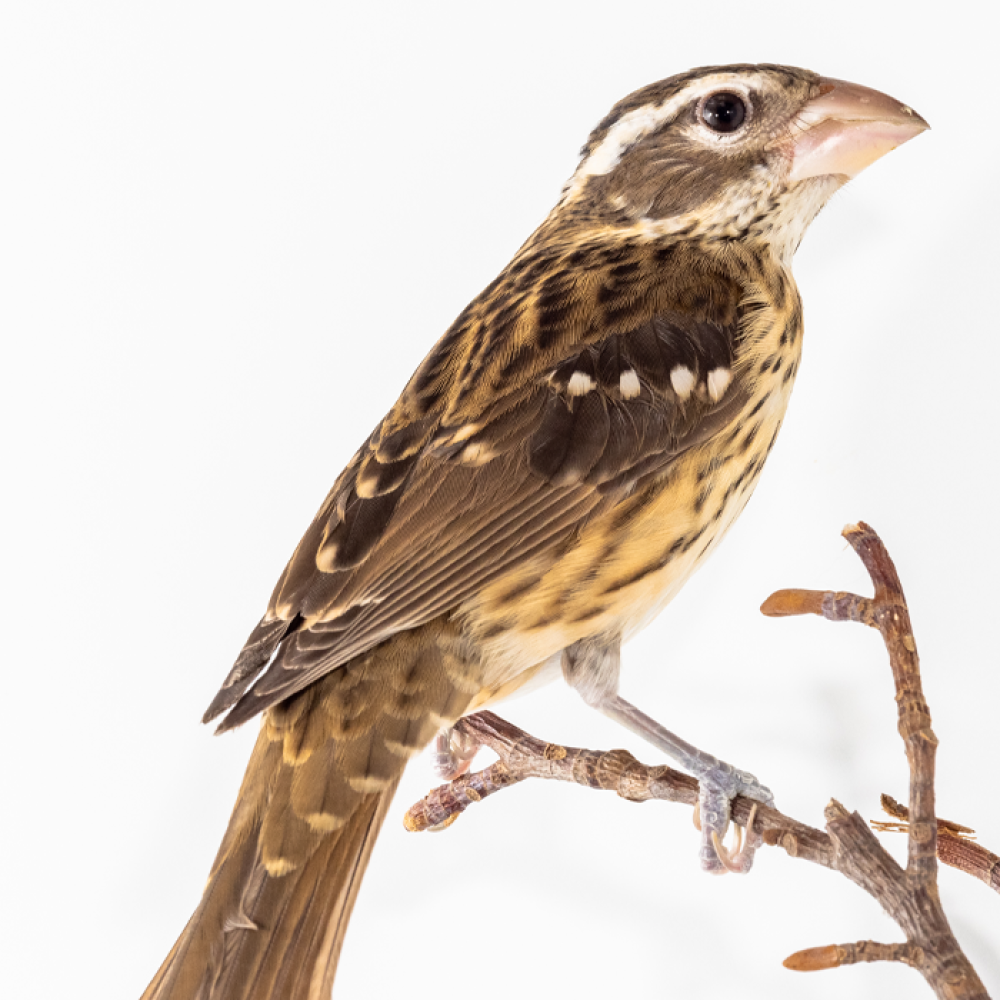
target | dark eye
[{"x": 724, "y": 112}]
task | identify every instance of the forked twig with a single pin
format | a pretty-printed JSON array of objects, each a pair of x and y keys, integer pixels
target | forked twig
[
  {"x": 908, "y": 895},
  {"x": 954, "y": 846}
]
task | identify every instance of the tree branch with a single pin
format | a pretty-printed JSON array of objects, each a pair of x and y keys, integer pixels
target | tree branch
[
  {"x": 522, "y": 756},
  {"x": 954, "y": 847},
  {"x": 909, "y": 895}
]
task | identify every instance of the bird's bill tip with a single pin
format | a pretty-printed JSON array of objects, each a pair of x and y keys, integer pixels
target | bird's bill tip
[{"x": 847, "y": 128}]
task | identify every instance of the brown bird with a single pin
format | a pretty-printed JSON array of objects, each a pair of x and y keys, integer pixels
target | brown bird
[{"x": 567, "y": 454}]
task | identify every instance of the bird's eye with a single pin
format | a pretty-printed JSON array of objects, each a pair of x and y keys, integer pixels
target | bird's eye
[{"x": 724, "y": 112}]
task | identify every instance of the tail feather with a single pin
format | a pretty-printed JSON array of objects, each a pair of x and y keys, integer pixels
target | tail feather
[
  {"x": 256, "y": 936},
  {"x": 272, "y": 918},
  {"x": 305, "y": 915}
]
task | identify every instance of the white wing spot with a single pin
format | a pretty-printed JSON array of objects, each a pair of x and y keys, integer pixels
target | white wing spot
[
  {"x": 477, "y": 454},
  {"x": 580, "y": 384},
  {"x": 718, "y": 383},
  {"x": 367, "y": 482},
  {"x": 682, "y": 379},
  {"x": 465, "y": 432},
  {"x": 629, "y": 384}
]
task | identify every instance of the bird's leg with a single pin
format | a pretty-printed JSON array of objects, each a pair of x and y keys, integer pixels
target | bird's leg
[
  {"x": 453, "y": 753},
  {"x": 591, "y": 666},
  {"x": 719, "y": 784}
]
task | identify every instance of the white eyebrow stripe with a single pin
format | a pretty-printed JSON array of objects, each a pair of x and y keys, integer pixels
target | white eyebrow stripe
[
  {"x": 638, "y": 122},
  {"x": 627, "y": 131}
]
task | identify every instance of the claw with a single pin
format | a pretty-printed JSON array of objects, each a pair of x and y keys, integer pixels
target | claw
[
  {"x": 730, "y": 857},
  {"x": 453, "y": 754},
  {"x": 735, "y": 859}
]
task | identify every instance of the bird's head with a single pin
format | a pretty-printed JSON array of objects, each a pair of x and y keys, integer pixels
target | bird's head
[{"x": 732, "y": 152}]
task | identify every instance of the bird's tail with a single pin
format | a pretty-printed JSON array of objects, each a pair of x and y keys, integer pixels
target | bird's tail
[{"x": 273, "y": 915}]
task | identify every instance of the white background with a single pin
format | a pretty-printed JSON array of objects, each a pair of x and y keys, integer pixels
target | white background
[{"x": 228, "y": 233}]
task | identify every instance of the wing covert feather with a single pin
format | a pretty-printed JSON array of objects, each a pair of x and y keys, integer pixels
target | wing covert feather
[{"x": 429, "y": 511}]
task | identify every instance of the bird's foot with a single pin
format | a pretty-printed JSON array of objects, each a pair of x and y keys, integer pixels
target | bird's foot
[
  {"x": 718, "y": 786},
  {"x": 718, "y": 781},
  {"x": 453, "y": 753},
  {"x": 591, "y": 667}
]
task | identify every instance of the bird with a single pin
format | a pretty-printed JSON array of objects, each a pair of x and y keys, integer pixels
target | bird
[{"x": 574, "y": 446}]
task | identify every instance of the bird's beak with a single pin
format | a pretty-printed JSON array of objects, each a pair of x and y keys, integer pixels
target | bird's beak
[{"x": 847, "y": 128}]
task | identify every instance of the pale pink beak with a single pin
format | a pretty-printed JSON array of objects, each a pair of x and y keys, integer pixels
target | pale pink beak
[{"x": 847, "y": 128}]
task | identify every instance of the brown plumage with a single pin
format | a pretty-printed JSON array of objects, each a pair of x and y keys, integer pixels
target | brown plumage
[{"x": 562, "y": 460}]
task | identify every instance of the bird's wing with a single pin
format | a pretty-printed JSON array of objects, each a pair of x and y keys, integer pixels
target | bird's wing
[{"x": 427, "y": 514}]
